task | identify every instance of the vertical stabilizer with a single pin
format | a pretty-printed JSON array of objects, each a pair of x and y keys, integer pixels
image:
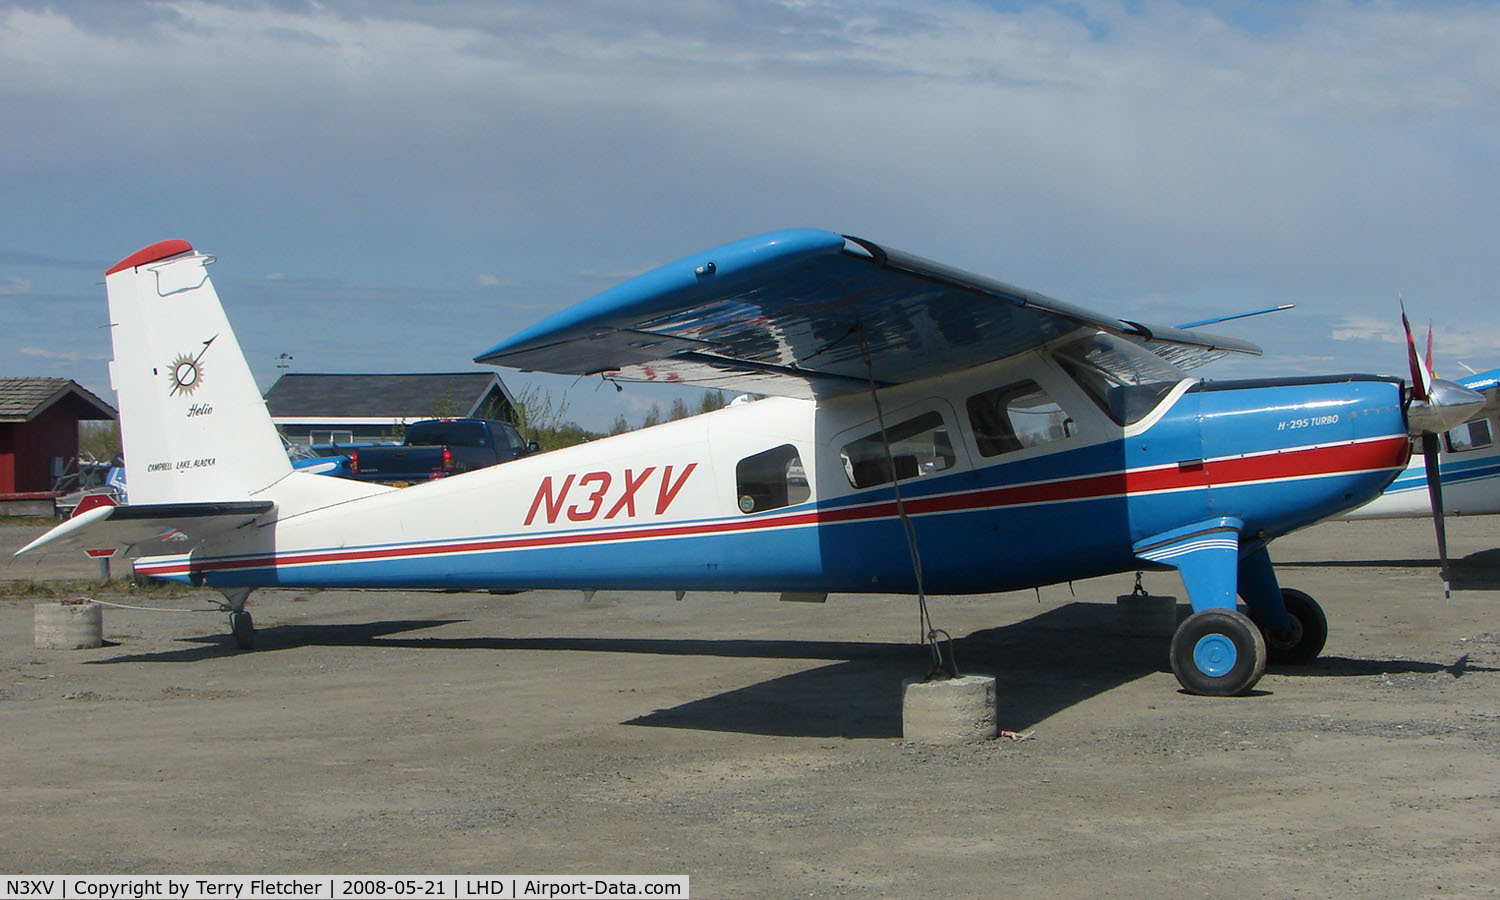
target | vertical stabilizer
[{"x": 192, "y": 421}]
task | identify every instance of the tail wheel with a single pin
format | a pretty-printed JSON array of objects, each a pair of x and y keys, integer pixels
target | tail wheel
[
  {"x": 1308, "y": 635},
  {"x": 243, "y": 629},
  {"x": 1218, "y": 653}
]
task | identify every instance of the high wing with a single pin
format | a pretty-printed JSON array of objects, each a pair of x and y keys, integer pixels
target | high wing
[
  {"x": 151, "y": 528},
  {"x": 800, "y": 313}
]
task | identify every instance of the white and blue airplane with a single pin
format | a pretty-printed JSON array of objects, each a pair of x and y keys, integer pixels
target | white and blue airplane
[
  {"x": 925, "y": 431},
  {"x": 1468, "y": 465}
]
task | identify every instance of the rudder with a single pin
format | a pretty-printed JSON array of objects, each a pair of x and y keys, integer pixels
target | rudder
[{"x": 192, "y": 421}]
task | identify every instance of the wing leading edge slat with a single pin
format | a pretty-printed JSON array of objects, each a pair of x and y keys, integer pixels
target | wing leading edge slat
[{"x": 799, "y": 312}]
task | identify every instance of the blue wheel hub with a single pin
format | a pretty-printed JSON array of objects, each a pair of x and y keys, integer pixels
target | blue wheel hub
[{"x": 1215, "y": 655}]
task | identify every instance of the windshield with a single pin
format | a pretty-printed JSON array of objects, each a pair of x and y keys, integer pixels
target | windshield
[
  {"x": 1126, "y": 380},
  {"x": 296, "y": 452}
]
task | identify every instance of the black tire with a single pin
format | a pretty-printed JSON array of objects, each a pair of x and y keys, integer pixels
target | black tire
[
  {"x": 242, "y": 626},
  {"x": 1309, "y": 631},
  {"x": 1218, "y": 653}
]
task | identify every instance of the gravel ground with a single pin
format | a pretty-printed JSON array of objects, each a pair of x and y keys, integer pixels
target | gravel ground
[{"x": 756, "y": 746}]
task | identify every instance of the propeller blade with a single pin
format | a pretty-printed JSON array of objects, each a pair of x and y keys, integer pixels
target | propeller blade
[
  {"x": 1435, "y": 406},
  {"x": 1421, "y": 380},
  {"x": 1431, "y": 370},
  {"x": 1435, "y": 494}
]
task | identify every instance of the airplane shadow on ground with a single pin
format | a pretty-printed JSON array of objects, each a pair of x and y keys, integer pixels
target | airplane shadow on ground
[
  {"x": 1043, "y": 665},
  {"x": 1475, "y": 572}
]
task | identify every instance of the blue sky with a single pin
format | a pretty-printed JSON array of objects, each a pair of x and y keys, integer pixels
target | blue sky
[{"x": 395, "y": 187}]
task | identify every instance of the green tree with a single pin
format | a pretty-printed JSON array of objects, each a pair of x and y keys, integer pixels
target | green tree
[
  {"x": 445, "y": 407},
  {"x": 99, "y": 440},
  {"x": 542, "y": 419},
  {"x": 711, "y": 401}
]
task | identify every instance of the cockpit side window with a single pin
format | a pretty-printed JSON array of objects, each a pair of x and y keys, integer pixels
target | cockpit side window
[
  {"x": 919, "y": 446},
  {"x": 1125, "y": 380},
  {"x": 1016, "y": 416}
]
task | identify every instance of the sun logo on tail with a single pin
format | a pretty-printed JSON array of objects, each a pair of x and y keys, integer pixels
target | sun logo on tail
[{"x": 187, "y": 371}]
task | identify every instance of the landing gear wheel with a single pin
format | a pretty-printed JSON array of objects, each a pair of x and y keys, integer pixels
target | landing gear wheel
[
  {"x": 1218, "y": 653},
  {"x": 1309, "y": 631},
  {"x": 243, "y": 629}
]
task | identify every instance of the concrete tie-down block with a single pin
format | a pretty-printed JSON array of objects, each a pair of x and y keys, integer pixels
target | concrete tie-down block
[
  {"x": 1146, "y": 615},
  {"x": 69, "y": 625},
  {"x": 948, "y": 711}
]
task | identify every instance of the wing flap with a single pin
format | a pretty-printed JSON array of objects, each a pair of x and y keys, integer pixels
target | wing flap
[
  {"x": 149, "y": 528},
  {"x": 621, "y": 349}
]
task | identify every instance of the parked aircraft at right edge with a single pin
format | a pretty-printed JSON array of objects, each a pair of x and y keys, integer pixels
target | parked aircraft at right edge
[{"x": 1469, "y": 463}]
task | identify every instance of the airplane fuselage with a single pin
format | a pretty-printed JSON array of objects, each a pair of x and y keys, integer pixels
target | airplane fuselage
[{"x": 1012, "y": 474}]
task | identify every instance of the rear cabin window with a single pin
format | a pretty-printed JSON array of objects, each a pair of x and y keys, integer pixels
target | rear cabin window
[
  {"x": 1125, "y": 380},
  {"x": 919, "y": 446},
  {"x": 1469, "y": 436},
  {"x": 455, "y": 434},
  {"x": 1016, "y": 416},
  {"x": 771, "y": 480}
]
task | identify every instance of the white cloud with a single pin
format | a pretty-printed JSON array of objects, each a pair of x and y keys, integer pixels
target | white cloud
[
  {"x": 13, "y": 286},
  {"x": 1454, "y": 343},
  {"x": 1369, "y": 328},
  {"x": 67, "y": 356}
]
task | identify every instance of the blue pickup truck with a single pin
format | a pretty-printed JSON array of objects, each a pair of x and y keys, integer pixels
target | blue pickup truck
[{"x": 435, "y": 448}]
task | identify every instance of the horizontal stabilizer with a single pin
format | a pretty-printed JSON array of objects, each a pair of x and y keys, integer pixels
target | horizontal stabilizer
[{"x": 149, "y": 528}]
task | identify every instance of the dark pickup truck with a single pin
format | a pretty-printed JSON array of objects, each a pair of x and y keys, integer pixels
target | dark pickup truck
[{"x": 435, "y": 448}]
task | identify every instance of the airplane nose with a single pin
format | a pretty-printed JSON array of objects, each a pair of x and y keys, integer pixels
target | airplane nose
[{"x": 1447, "y": 406}]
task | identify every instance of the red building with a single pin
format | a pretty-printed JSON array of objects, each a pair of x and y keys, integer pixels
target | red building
[{"x": 39, "y": 430}]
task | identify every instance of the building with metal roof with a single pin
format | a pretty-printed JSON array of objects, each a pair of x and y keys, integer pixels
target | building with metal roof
[{"x": 322, "y": 408}]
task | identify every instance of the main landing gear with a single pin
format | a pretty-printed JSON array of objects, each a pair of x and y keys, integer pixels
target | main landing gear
[
  {"x": 1303, "y": 641},
  {"x": 1218, "y": 653},
  {"x": 1223, "y": 652},
  {"x": 1218, "y": 650}
]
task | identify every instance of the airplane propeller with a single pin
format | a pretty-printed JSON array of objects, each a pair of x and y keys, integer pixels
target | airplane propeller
[{"x": 1435, "y": 406}]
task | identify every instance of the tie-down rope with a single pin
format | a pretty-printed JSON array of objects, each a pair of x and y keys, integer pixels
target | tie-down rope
[{"x": 929, "y": 634}]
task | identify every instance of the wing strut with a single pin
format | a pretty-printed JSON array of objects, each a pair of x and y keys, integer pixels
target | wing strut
[{"x": 947, "y": 668}]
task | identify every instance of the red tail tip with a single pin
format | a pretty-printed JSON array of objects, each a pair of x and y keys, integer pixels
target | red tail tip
[{"x": 158, "y": 250}]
